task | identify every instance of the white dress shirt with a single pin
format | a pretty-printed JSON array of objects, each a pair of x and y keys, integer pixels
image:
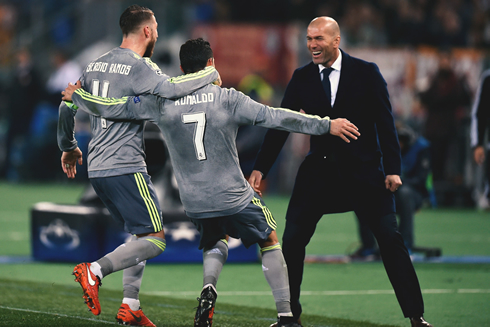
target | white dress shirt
[{"x": 334, "y": 77}]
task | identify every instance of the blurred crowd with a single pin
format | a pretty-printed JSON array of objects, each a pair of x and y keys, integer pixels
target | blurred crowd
[
  {"x": 38, "y": 59},
  {"x": 439, "y": 23}
]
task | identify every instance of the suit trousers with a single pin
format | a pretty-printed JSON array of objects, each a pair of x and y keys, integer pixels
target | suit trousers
[
  {"x": 408, "y": 200},
  {"x": 321, "y": 187}
]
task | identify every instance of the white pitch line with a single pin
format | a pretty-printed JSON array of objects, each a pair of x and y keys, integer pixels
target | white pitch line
[
  {"x": 473, "y": 291},
  {"x": 57, "y": 314},
  {"x": 320, "y": 293}
]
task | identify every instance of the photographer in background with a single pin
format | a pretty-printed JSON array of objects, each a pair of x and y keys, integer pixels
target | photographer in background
[{"x": 417, "y": 187}]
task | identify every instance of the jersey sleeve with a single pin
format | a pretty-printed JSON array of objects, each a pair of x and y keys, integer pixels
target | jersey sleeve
[
  {"x": 149, "y": 79},
  {"x": 144, "y": 107},
  {"x": 250, "y": 112},
  {"x": 274, "y": 140},
  {"x": 66, "y": 128}
]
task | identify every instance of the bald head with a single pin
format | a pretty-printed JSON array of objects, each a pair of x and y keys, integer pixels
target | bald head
[
  {"x": 327, "y": 24},
  {"x": 323, "y": 39}
]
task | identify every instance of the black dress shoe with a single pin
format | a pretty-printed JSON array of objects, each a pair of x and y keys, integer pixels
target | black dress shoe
[{"x": 419, "y": 322}]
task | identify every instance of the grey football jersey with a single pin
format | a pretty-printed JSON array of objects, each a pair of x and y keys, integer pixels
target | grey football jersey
[
  {"x": 200, "y": 131},
  {"x": 117, "y": 147}
]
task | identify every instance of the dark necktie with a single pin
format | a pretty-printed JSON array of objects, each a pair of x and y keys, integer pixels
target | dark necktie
[{"x": 326, "y": 83}]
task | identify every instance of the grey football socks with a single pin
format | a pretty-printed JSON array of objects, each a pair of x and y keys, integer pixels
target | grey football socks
[
  {"x": 132, "y": 278},
  {"x": 276, "y": 274},
  {"x": 131, "y": 253},
  {"x": 213, "y": 260}
]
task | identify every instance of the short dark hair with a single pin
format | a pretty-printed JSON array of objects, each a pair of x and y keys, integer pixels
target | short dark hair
[
  {"x": 194, "y": 55},
  {"x": 133, "y": 17}
]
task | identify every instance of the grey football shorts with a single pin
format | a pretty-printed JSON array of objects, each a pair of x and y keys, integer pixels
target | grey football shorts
[
  {"x": 252, "y": 225},
  {"x": 132, "y": 201}
]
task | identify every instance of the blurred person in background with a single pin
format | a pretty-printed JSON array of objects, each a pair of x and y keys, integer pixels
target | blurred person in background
[
  {"x": 65, "y": 71},
  {"x": 45, "y": 117},
  {"x": 480, "y": 123},
  {"x": 444, "y": 101},
  {"x": 335, "y": 177},
  {"x": 416, "y": 178},
  {"x": 249, "y": 138},
  {"x": 23, "y": 94}
]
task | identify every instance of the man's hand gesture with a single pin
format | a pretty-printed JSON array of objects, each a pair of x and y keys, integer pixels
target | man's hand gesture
[
  {"x": 343, "y": 128},
  {"x": 69, "y": 162}
]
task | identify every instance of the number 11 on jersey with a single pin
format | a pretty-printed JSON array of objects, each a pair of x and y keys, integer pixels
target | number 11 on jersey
[
  {"x": 104, "y": 93},
  {"x": 200, "y": 120}
]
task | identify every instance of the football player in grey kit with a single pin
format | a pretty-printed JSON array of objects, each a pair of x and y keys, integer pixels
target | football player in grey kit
[
  {"x": 200, "y": 131},
  {"x": 116, "y": 158}
]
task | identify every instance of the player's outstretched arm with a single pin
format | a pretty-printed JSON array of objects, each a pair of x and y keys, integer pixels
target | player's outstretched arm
[
  {"x": 151, "y": 80},
  {"x": 146, "y": 107},
  {"x": 250, "y": 112},
  {"x": 292, "y": 121}
]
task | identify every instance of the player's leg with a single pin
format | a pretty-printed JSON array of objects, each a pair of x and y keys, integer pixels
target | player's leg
[
  {"x": 132, "y": 278},
  {"x": 132, "y": 201},
  {"x": 276, "y": 273},
  {"x": 130, "y": 310},
  {"x": 213, "y": 260},
  {"x": 214, "y": 243},
  {"x": 255, "y": 224}
]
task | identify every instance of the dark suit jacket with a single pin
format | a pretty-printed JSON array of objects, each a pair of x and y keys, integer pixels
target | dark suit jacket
[{"x": 362, "y": 98}]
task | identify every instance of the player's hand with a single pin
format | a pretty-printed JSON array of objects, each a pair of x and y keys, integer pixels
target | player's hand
[
  {"x": 69, "y": 162},
  {"x": 68, "y": 92},
  {"x": 393, "y": 182},
  {"x": 343, "y": 128},
  {"x": 479, "y": 155},
  {"x": 254, "y": 180}
]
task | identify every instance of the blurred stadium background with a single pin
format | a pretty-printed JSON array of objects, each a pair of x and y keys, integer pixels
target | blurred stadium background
[
  {"x": 257, "y": 46},
  {"x": 44, "y": 44}
]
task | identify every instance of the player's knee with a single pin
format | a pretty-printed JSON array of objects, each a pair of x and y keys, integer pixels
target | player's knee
[
  {"x": 155, "y": 246},
  {"x": 219, "y": 249},
  {"x": 160, "y": 234},
  {"x": 271, "y": 240}
]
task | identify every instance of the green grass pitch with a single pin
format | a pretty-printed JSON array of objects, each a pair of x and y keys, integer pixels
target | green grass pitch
[{"x": 354, "y": 294}]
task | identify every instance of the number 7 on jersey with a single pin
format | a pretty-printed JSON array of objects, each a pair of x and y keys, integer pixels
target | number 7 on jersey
[{"x": 200, "y": 120}]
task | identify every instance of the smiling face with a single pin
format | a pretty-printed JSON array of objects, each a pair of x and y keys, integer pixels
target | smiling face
[{"x": 322, "y": 40}]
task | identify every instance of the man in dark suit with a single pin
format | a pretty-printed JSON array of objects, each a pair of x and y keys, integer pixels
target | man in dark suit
[{"x": 337, "y": 176}]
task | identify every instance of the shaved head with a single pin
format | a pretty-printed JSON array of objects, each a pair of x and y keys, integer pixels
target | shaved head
[
  {"x": 323, "y": 39},
  {"x": 328, "y": 24}
]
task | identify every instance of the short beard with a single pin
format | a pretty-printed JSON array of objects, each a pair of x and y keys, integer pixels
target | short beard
[{"x": 149, "y": 49}]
